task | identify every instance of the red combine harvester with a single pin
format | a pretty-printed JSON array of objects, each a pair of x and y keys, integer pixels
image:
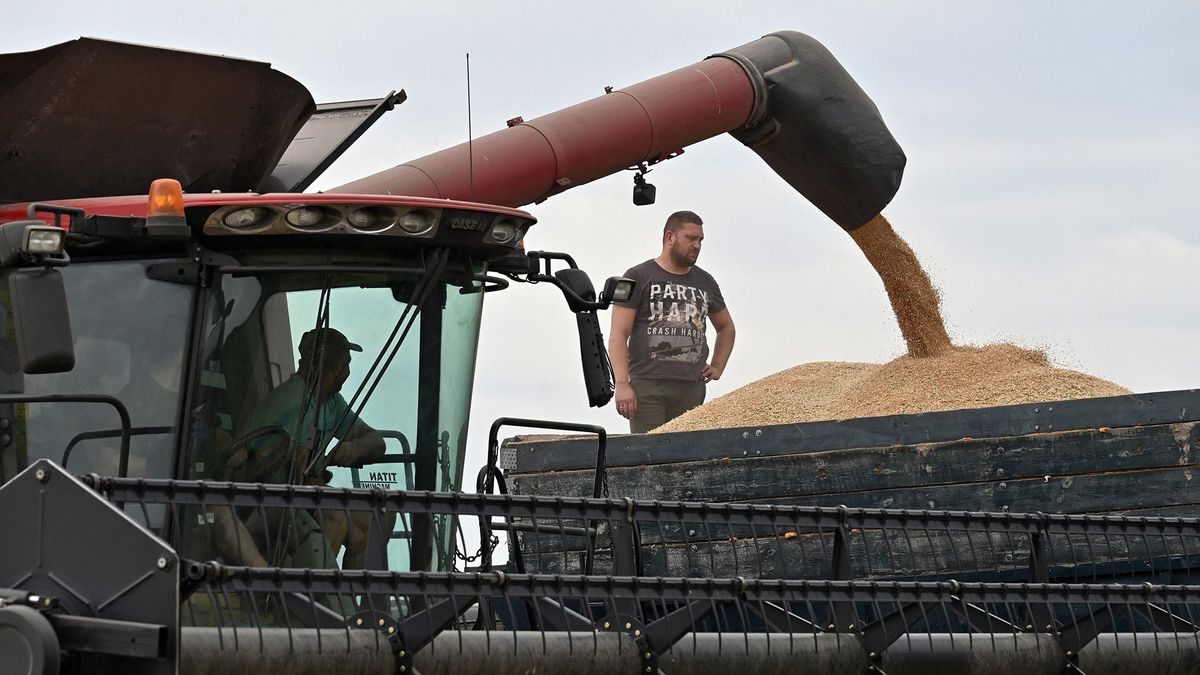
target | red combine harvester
[{"x": 234, "y": 419}]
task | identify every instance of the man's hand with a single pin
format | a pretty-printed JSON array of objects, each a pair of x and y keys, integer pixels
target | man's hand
[
  {"x": 363, "y": 443},
  {"x": 724, "y": 347},
  {"x": 348, "y": 453},
  {"x": 626, "y": 401},
  {"x": 618, "y": 354},
  {"x": 711, "y": 372}
]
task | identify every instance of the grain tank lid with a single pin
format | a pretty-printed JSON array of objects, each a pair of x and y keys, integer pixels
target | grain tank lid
[
  {"x": 90, "y": 118},
  {"x": 329, "y": 132}
]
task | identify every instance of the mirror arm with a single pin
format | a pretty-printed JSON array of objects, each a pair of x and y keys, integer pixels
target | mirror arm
[
  {"x": 536, "y": 273},
  {"x": 48, "y": 261}
]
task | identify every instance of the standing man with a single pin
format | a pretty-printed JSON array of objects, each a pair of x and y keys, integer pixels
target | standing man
[{"x": 659, "y": 343}]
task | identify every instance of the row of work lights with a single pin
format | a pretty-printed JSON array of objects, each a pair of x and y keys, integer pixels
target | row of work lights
[
  {"x": 345, "y": 219},
  {"x": 328, "y": 217}
]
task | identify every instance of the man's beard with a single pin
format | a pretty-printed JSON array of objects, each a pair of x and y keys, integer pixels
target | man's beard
[{"x": 682, "y": 259}]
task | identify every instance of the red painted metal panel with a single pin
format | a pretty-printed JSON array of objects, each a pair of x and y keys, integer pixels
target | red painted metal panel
[
  {"x": 576, "y": 145},
  {"x": 135, "y": 205},
  {"x": 510, "y": 169}
]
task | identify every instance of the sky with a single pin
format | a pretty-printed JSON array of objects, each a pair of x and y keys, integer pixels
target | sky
[{"x": 1052, "y": 149}]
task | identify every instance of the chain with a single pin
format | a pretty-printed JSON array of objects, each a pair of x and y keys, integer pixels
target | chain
[
  {"x": 493, "y": 542},
  {"x": 443, "y": 458}
]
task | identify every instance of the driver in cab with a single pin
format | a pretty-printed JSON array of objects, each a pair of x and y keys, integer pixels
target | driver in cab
[
  {"x": 299, "y": 417},
  {"x": 309, "y": 404}
]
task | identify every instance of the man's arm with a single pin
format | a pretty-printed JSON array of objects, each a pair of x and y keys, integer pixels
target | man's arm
[
  {"x": 361, "y": 443},
  {"x": 618, "y": 354},
  {"x": 724, "y": 346}
]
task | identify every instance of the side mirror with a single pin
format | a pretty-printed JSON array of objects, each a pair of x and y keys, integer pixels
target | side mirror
[
  {"x": 597, "y": 370},
  {"x": 577, "y": 288},
  {"x": 581, "y": 296},
  {"x": 42, "y": 324},
  {"x": 578, "y": 282}
]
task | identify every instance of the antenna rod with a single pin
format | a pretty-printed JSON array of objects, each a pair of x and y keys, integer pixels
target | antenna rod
[{"x": 470, "y": 134}]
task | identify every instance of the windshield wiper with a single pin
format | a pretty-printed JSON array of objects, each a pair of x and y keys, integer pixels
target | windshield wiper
[{"x": 432, "y": 272}]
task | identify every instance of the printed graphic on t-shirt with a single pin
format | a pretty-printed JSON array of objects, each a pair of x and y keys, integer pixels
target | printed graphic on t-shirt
[
  {"x": 678, "y": 318},
  {"x": 668, "y": 341}
]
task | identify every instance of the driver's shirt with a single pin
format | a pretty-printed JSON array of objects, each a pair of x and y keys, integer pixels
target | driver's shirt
[{"x": 281, "y": 408}]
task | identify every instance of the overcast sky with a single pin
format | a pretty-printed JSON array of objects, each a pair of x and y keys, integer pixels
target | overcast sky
[{"x": 1053, "y": 161}]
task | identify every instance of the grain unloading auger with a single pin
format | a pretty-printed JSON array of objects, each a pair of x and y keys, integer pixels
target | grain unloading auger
[{"x": 785, "y": 96}]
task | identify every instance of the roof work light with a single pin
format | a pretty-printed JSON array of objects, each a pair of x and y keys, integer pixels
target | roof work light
[
  {"x": 43, "y": 241},
  {"x": 618, "y": 289}
]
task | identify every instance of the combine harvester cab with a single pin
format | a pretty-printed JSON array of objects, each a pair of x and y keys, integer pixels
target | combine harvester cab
[{"x": 155, "y": 523}]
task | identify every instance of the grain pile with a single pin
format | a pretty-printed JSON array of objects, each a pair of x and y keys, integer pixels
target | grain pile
[
  {"x": 959, "y": 377},
  {"x": 934, "y": 375}
]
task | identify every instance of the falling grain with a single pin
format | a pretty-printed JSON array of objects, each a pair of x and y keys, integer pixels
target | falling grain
[{"x": 915, "y": 300}]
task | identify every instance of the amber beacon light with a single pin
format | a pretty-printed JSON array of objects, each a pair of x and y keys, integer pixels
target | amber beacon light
[{"x": 166, "y": 199}]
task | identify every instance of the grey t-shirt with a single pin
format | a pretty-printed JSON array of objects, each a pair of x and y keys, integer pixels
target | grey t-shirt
[{"x": 669, "y": 338}]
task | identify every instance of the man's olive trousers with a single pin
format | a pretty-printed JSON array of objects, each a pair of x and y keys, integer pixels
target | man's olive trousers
[{"x": 660, "y": 401}]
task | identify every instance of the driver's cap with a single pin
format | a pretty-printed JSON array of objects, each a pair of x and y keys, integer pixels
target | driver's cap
[{"x": 334, "y": 342}]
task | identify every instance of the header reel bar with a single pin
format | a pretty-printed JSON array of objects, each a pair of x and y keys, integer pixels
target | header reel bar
[{"x": 672, "y": 624}]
